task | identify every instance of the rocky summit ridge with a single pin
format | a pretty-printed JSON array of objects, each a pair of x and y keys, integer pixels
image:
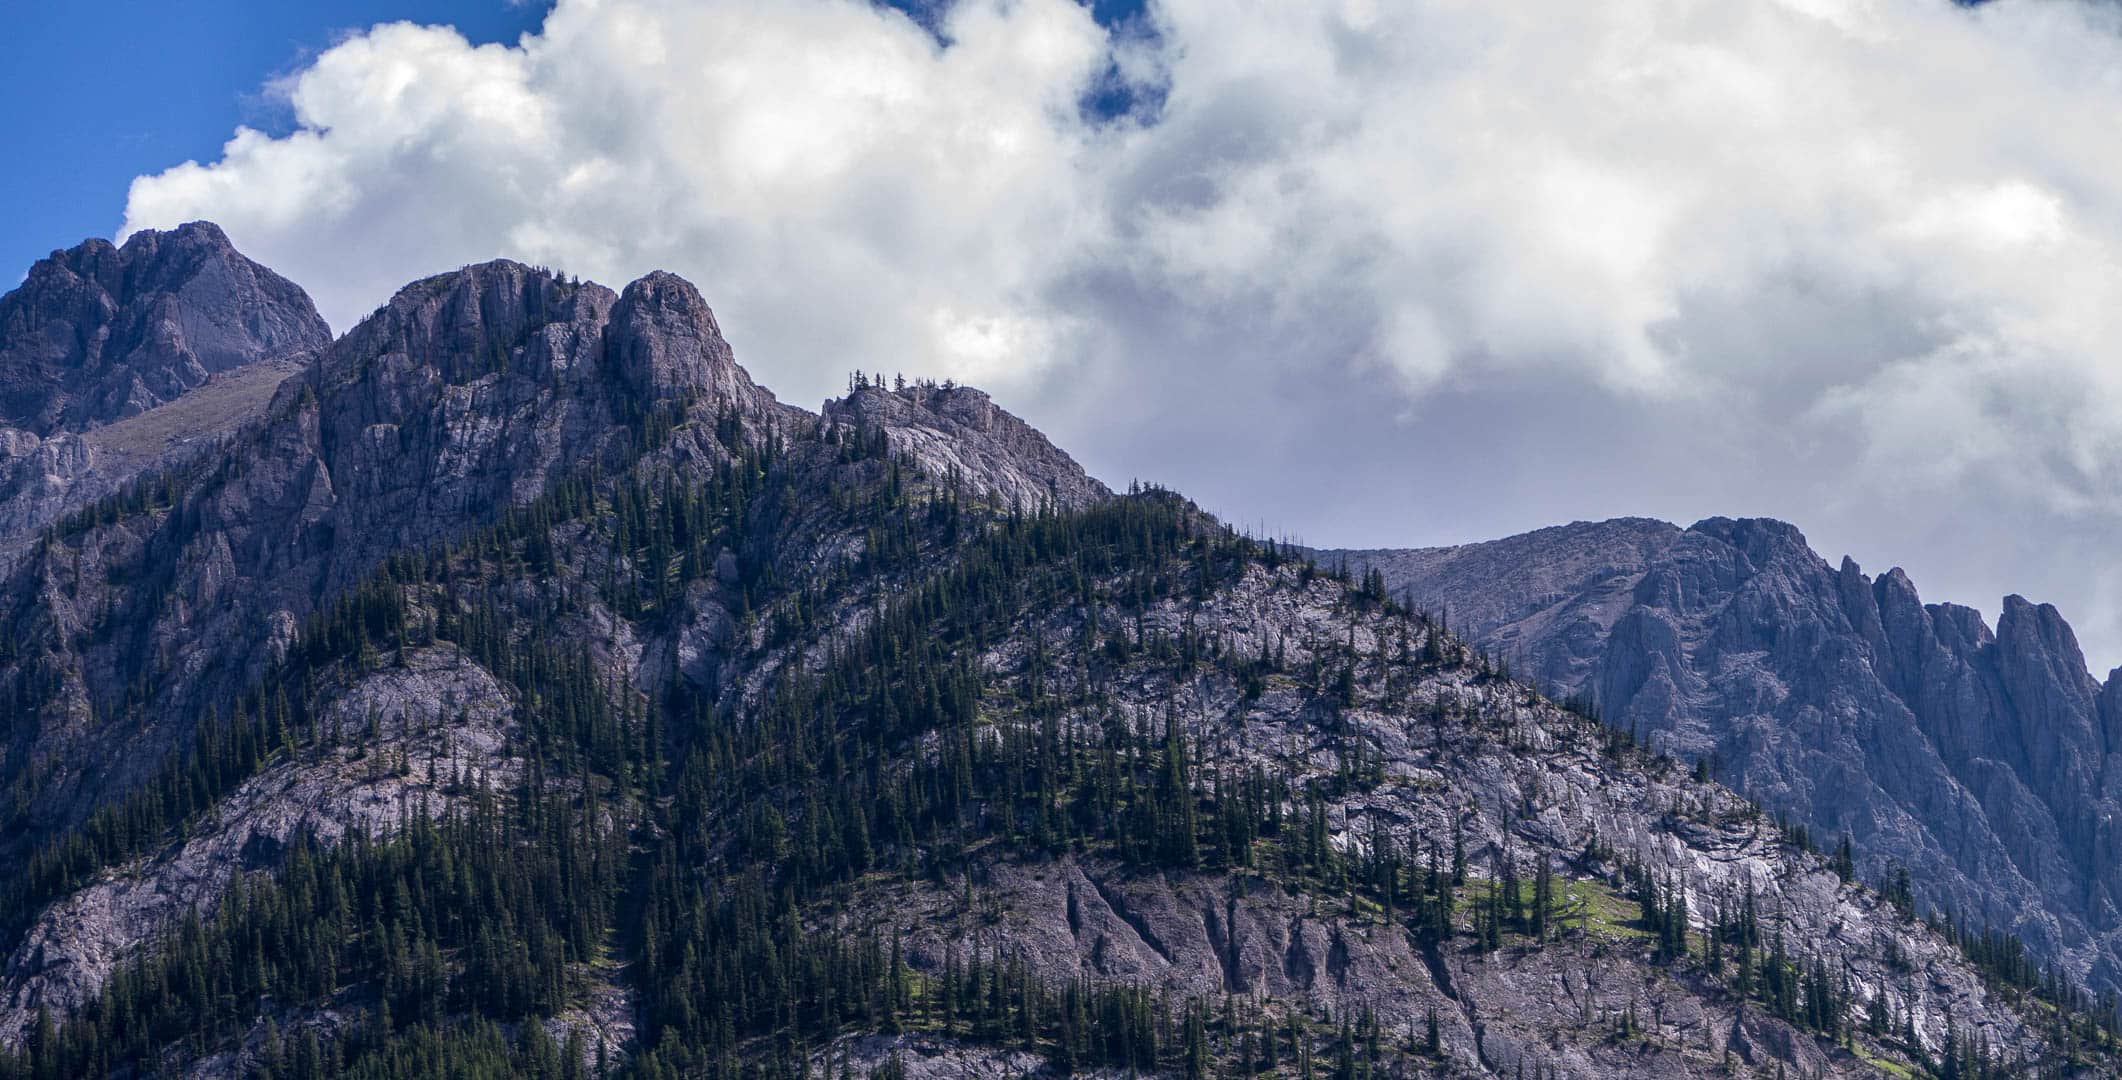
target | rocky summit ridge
[{"x": 521, "y": 688}]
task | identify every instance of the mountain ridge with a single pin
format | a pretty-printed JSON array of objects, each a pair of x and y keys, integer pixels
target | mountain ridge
[{"x": 528, "y": 690}]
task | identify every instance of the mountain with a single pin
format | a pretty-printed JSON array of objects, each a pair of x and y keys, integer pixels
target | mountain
[
  {"x": 100, "y": 332},
  {"x": 1987, "y": 764},
  {"x": 118, "y": 360},
  {"x": 528, "y": 691}
]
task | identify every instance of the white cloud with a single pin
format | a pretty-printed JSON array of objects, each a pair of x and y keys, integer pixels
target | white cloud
[
  {"x": 1839, "y": 255},
  {"x": 842, "y": 187}
]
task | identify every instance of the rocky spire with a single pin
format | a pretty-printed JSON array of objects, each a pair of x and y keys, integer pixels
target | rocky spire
[{"x": 664, "y": 342}]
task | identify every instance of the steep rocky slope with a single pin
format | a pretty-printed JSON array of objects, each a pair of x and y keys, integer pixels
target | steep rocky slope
[
  {"x": 529, "y": 691},
  {"x": 1988, "y": 764},
  {"x": 1419, "y": 751},
  {"x": 433, "y": 707}
]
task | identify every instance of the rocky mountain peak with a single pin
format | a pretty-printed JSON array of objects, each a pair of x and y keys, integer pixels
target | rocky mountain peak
[
  {"x": 468, "y": 322},
  {"x": 175, "y": 252},
  {"x": 957, "y": 430},
  {"x": 656, "y": 340},
  {"x": 2055, "y": 701},
  {"x": 151, "y": 260},
  {"x": 2039, "y": 634},
  {"x": 665, "y": 342},
  {"x": 100, "y": 332},
  {"x": 1764, "y": 541}
]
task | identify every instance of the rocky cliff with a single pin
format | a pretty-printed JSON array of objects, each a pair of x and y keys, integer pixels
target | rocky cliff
[
  {"x": 528, "y": 691},
  {"x": 957, "y": 431},
  {"x": 119, "y": 360},
  {"x": 467, "y": 394},
  {"x": 1986, "y": 763},
  {"x": 99, "y": 332}
]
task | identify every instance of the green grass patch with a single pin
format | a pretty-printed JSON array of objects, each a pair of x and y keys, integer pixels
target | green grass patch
[
  {"x": 1886, "y": 1065},
  {"x": 1600, "y": 910}
]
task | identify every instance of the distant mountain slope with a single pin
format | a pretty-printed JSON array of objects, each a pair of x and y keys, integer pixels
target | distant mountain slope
[
  {"x": 1989, "y": 764},
  {"x": 529, "y": 692}
]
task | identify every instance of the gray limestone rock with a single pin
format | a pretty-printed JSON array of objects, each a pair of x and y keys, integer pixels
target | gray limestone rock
[
  {"x": 1988, "y": 764},
  {"x": 959, "y": 432},
  {"x": 99, "y": 332}
]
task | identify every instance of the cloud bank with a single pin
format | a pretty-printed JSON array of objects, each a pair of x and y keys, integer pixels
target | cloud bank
[{"x": 1372, "y": 273}]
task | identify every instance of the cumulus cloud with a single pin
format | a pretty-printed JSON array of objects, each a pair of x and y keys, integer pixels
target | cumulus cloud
[{"x": 1373, "y": 272}]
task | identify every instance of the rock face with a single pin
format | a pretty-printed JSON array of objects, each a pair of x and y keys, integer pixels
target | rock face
[
  {"x": 1464, "y": 755},
  {"x": 957, "y": 431},
  {"x": 119, "y": 360},
  {"x": 541, "y": 560},
  {"x": 437, "y": 708},
  {"x": 1988, "y": 764},
  {"x": 100, "y": 332}
]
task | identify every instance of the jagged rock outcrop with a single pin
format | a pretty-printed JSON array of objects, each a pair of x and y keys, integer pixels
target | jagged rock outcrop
[
  {"x": 957, "y": 431},
  {"x": 1989, "y": 764},
  {"x": 101, "y": 332}
]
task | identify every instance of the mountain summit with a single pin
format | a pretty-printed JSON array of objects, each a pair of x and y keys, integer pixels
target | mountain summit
[
  {"x": 101, "y": 332},
  {"x": 117, "y": 361}
]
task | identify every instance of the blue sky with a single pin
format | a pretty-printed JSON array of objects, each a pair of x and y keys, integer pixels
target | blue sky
[{"x": 95, "y": 93}]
